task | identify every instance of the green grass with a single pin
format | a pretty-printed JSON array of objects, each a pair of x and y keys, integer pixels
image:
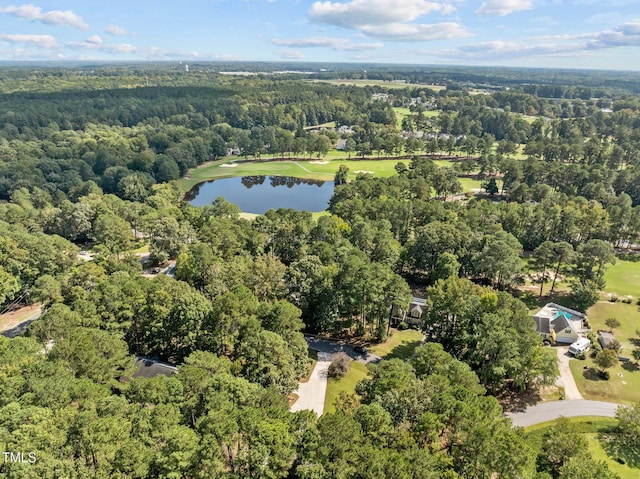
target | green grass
[
  {"x": 585, "y": 424},
  {"x": 347, "y": 383},
  {"x": 400, "y": 344},
  {"x": 621, "y": 389},
  {"x": 142, "y": 248},
  {"x": 301, "y": 169},
  {"x": 623, "y": 279},
  {"x": 595, "y": 430},
  {"x": 627, "y": 314}
]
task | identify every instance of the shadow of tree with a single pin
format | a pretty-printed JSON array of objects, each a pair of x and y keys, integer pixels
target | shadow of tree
[
  {"x": 403, "y": 351},
  {"x": 630, "y": 367},
  {"x": 619, "y": 452},
  {"x": 518, "y": 401},
  {"x": 592, "y": 374},
  {"x": 532, "y": 300}
]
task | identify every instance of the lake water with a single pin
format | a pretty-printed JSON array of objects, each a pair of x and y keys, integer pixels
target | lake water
[{"x": 257, "y": 194}]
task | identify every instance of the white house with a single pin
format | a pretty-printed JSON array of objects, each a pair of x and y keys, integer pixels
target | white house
[
  {"x": 413, "y": 315},
  {"x": 560, "y": 324}
]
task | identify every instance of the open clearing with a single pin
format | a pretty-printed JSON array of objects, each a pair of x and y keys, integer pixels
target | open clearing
[
  {"x": 623, "y": 385},
  {"x": 623, "y": 279}
]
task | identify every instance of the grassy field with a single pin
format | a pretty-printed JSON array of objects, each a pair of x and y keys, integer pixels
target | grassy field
[
  {"x": 347, "y": 383},
  {"x": 623, "y": 279},
  {"x": 301, "y": 169},
  {"x": 627, "y": 314},
  {"x": 622, "y": 387},
  {"x": 400, "y": 344},
  {"x": 595, "y": 430}
]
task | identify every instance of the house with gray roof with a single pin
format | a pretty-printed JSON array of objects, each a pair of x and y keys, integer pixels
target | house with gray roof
[
  {"x": 412, "y": 315},
  {"x": 560, "y": 324}
]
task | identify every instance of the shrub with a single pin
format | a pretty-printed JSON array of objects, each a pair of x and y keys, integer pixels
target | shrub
[
  {"x": 402, "y": 326},
  {"x": 339, "y": 366},
  {"x": 595, "y": 344},
  {"x": 581, "y": 355},
  {"x": 613, "y": 299},
  {"x": 627, "y": 301}
]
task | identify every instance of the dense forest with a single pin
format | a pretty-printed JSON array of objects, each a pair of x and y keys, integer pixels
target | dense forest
[{"x": 94, "y": 166}]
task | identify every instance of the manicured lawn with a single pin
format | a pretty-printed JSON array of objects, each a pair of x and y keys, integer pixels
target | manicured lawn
[
  {"x": 142, "y": 248},
  {"x": 622, "y": 387},
  {"x": 301, "y": 169},
  {"x": 400, "y": 344},
  {"x": 627, "y": 314},
  {"x": 347, "y": 383},
  {"x": 469, "y": 184},
  {"x": 595, "y": 431},
  {"x": 623, "y": 279}
]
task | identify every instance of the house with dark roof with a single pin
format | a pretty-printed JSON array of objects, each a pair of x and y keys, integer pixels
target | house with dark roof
[
  {"x": 150, "y": 367},
  {"x": 560, "y": 324},
  {"x": 412, "y": 315}
]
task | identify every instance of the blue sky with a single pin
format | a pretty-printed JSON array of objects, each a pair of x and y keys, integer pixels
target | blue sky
[{"x": 602, "y": 34}]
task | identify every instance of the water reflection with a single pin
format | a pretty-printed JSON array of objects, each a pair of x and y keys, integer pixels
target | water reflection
[{"x": 255, "y": 195}]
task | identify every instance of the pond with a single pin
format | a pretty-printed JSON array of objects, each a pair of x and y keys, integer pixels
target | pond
[{"x": 257, "y": 194}]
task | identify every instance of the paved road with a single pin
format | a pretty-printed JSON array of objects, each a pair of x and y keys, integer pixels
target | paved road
[
  {"x": 312, "y": 393},
  {"x": 332, "y": 347},
  {"x": 20, "y": 328},
  {"x": 566, "y": 379},
  {"x": 549, "y": 411}
]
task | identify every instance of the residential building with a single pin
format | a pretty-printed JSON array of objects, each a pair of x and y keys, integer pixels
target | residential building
[{"x": 560, "y": 324}]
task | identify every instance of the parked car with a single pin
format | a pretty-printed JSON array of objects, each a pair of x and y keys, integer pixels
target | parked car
[{"x": 360, "y": 349}]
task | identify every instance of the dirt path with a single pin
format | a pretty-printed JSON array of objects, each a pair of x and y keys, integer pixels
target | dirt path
[{"x": 566, "y": 379}]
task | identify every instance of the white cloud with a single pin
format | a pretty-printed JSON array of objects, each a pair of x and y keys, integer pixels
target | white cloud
[
  {"x": 583, "y": 44},
  {"x": 290, "y": 55},
  {"x": 358, "y": 13},
  {"x": 409, "y": 32},
  {"x": 93, "y": 43},
  {"x": 389, "y": 19},
  {"x": 338, "y": 44},
  {"x": 94, "y": 39},
  {"x": 116, "y": 30},
  {"x": 41, "y": 41},
  {"x": 61, "y": 18},
  {"x": 504, "y": 7}
]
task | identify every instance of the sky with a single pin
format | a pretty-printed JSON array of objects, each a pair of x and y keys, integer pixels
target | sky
[{"x": 597, "y": 34}]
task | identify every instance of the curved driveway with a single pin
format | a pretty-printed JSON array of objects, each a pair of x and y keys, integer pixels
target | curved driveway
[
  {"x": 311, "y": 394},
  {"x": 332, "y": 347},
  {"x": 549, "y": 411}
]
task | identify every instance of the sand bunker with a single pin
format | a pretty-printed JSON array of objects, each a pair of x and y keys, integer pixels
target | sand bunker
[
  {"x": 365, "y": 171},
  {"x": 318, "y": 162},
  {"x": 229, "y": 165}
]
